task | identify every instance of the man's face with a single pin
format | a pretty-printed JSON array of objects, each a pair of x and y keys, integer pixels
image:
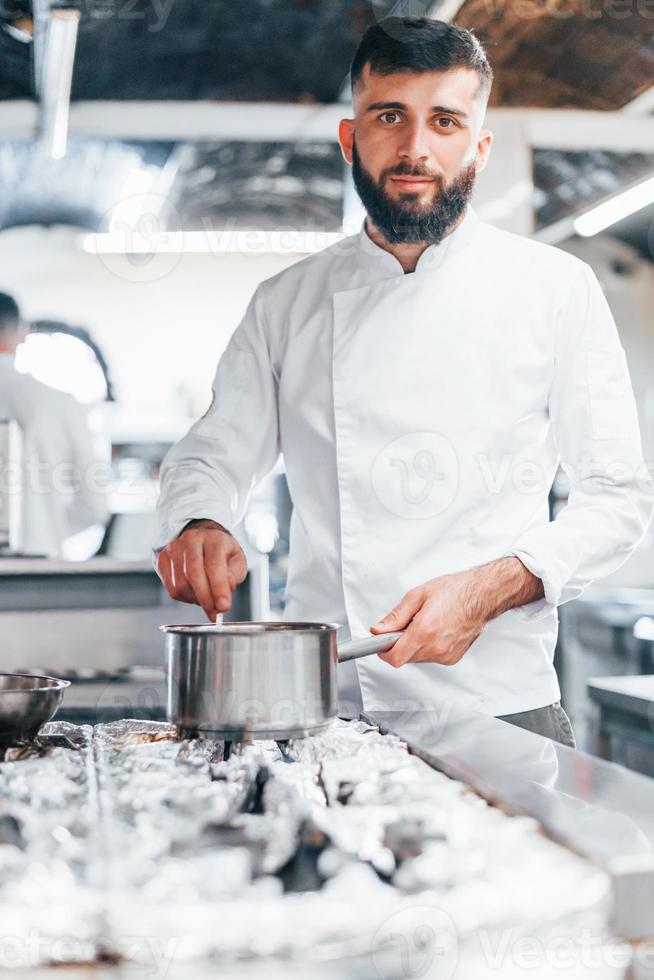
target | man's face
[{"x": 416, "y": 145}]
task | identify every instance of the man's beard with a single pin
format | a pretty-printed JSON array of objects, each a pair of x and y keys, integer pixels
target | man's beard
[{"x": 410, "y": 221}]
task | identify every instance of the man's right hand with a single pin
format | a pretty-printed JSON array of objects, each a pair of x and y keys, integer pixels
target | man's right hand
[{"x": 202, "y": 565}]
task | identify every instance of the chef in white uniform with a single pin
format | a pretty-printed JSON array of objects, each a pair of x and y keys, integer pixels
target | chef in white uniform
[
  {"x": 62, "y": 488},
  {"x": 423, "y": 379}
]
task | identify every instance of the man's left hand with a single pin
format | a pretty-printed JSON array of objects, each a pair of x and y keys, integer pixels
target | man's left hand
[{"x": 445, "y": 615}]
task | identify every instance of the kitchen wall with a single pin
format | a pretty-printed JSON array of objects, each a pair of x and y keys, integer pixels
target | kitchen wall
[{"x": 161, "y": 324}]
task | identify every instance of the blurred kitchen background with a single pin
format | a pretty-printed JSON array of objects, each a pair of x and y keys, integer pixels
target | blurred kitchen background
[{"x": 159, "y": 158}]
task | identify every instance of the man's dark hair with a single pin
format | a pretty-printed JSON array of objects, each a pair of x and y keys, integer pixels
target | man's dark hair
[
  {"x": 9, "y": 313},
  {"x": 418, "y": 44}
]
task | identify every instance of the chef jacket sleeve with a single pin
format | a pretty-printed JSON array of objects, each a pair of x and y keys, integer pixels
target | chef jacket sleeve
[
  {"x": 211, "y": 471},
  {"x": 595, "y": 426}
]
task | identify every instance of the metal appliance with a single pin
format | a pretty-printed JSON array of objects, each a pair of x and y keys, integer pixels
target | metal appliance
[{"x": 11, "y": 486}]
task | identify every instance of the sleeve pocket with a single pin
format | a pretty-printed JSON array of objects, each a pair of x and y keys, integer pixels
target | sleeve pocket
[{"x": 612, "y": 406}]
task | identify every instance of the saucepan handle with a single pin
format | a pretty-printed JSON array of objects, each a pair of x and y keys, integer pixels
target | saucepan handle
[{"x": 368, "y": 645}]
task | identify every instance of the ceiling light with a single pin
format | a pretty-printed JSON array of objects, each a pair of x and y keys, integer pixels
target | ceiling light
[
  {"x": 60, "y": 43},
  {"x": 615, "y": 209}
]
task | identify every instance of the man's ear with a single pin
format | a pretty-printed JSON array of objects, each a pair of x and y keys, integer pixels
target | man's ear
[
  {"x": 484, "y": 144},
  {"x": 346, "y": 138}
]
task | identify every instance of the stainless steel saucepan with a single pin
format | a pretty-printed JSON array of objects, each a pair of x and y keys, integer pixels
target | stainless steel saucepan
[{"x": 262, "y": 680}]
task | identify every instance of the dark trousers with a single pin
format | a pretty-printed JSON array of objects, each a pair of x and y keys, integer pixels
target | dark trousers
[{"x": 551, "y": 721}]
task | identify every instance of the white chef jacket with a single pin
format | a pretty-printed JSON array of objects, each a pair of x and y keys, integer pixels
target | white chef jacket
[
  {"x": 61, "y": 486},
  {"x": 422, "y": 417}
]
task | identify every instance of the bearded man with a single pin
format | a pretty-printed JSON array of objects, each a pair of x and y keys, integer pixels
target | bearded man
[{"x": 423, "y": 379}]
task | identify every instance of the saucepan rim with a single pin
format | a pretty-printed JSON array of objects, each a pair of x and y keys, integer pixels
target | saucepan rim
[{"x": 248, "y": 628}]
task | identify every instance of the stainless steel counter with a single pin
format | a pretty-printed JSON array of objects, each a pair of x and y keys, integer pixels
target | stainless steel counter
[
  {"x": 594, "y": 807},
  {"x": 54, "y": 566},
  {"x": 127, "y": 844},
  {"x": 623, "y": 721},
  {"x": 100, "y": 583},
  {"x": 633, "y": 693}
]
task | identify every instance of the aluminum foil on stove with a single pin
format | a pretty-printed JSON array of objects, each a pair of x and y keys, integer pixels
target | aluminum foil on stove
[{"x": 141, "y": 846}]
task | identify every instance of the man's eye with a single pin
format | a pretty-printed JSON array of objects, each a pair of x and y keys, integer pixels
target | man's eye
[
  {"x": 385, "y": 116},
  {"x": 445, "y": 121}
]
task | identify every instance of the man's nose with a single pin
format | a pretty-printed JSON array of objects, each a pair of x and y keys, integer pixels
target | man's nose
[{"x": 413, "y": 146}]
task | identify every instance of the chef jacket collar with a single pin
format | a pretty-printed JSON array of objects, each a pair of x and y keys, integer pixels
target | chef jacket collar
[{"x": 433, "y": 255}]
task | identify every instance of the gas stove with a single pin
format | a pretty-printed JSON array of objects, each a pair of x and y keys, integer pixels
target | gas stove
[{"x": 124, "y": 844}]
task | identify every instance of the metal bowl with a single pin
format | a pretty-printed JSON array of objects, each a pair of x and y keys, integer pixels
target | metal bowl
[{"x": 27, "y": 701}]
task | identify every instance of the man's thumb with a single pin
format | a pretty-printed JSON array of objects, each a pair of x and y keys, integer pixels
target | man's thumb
[{"x": 399, "y": 617}]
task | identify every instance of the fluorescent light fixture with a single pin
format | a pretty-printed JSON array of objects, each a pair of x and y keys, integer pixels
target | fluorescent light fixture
[
  {"x": 615, "y": 209},
  {"x": 256, "y": 242},
  {"x": 60, "y": 43}
]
